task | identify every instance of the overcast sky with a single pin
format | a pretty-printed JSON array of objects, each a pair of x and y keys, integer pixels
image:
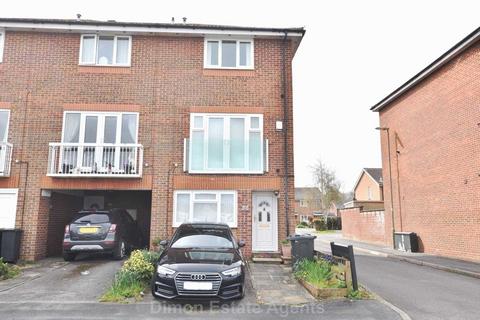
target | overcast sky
[{"x": 354, "y": 53}]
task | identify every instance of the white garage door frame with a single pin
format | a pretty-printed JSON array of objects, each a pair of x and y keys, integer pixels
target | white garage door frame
[{"x": 8, "y": 208}]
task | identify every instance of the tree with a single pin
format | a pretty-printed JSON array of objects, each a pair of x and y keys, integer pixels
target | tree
[{"x": 326, "y": 181}]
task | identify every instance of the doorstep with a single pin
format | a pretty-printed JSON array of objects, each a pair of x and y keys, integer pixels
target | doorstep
[{"x": 267, "y": 257}]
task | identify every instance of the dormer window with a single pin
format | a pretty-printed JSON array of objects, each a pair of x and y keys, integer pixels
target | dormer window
[
  {"x": 105, "y": 50},
  {"x": 228, "y": 54}
]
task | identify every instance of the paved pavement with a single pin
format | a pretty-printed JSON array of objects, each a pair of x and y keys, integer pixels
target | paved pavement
[
  {"x": 421, "y": 291},
  {"x": 286, "y": 290},
  {"x": 58, "y": 290},
  {"x": 442, "y": 263}
]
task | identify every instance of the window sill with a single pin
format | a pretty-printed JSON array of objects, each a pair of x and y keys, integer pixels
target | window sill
[
  {"x": 227, "y": 172},
  {"x": 176, "y": 225},
  {"x": 221, "y": 72},
  {"x": 104, "y": 69}
]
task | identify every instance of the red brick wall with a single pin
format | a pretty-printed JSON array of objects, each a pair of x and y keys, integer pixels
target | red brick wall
[
  {"x": 41, "y": 78},
  {"x": 62, "y": 209},
  {"x": 366, "y": 226},
  {"x": 436, "y": 192}
]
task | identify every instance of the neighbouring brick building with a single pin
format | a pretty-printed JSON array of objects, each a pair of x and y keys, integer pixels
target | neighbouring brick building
[
  {"x": 174, "y": 122},
  {"x": 431, "y": 127},
  {"x": 307, "y": 201},
  {"x": 368, "y": 190}
]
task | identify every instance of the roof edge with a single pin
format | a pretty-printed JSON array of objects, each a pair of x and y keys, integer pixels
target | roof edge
[
  {"x": 151, "y": 26},
  {"x": 450, "y": 54}
]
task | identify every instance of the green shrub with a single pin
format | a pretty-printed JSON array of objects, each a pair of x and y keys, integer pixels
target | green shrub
[
  {"x": 320, "y": 225},
  {"x": 134, "y": 276},
  {"x": 138, "y": 266},
  {"x": 302, "y": 224},
  {"x": 321, "y": 273},
  {"x": 334, "y": 223},
  {"x": 8, "y": 271},
  {"x": 151, "y": 256}
]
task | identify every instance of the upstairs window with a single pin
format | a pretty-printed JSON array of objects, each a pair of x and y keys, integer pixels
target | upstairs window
[
  {"x": 228, "y": 54},
  {"x": 4, "y": 117},
  {"x": 230, "y": 143},
  {"x": 2, "y": 41},
  {"x": 105, "y": 50}
]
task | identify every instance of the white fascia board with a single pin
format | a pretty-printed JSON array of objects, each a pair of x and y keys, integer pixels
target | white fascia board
[{"x": 58, "y": 27}]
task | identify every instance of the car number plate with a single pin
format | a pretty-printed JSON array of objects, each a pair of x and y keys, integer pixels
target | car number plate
[
  {"x": 88, "y": 229},
  {"x": 197, "y": 285}
]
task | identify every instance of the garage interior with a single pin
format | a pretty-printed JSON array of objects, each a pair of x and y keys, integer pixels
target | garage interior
[{"x": 65, "y": 203}]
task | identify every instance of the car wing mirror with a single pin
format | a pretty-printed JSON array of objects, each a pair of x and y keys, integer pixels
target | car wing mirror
[
  {"x": 164, "y": 243},
  {"x": 241, "y": 243}
]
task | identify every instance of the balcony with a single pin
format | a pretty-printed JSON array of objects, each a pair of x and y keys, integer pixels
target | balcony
[
  {"x": 94, "y": 160},
  {"x": 252, "y": 158},
  {"x": 5, "y": 158}
]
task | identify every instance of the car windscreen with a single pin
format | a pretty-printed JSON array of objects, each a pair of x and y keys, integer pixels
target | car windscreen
[
  {"x": 191, "y": 237},
  {"x": 87, "y": 217}
]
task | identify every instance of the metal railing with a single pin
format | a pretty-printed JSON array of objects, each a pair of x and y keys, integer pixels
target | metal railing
[
  {"x": 6, "y": 150},
  {"x": 264, "y": 161},
  {"x": 95, "y": 160}
]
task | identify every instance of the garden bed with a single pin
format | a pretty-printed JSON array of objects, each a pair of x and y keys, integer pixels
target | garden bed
[
  {"x": 324, "y": 293},
  {"x": 133, "y": 279},
  {"x": 322, "y": 278}
]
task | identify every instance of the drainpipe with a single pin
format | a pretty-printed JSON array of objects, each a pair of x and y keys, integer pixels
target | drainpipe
[
  {"x": 285, "y": 128},
  {"x": 397, "y": 153},
  {"x": 22, "y": 157}
]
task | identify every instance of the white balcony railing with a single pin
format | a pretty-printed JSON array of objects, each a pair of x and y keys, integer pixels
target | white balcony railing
[
  {"x": 257, "y": 164},
  {"x": 5, "y": 158},
  {"x": 94, "y": 160}
]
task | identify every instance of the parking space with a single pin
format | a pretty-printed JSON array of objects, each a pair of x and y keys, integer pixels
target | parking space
[
  {"x": 64, "y": 204},
  {"x": 53, "y": 280}
]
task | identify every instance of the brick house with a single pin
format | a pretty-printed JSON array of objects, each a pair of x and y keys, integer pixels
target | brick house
[
  {"x": 307, "y": 201},
  {"x": 174, "y": 122},
  {"x": 430, "y": 136},
  {"x": 368, "y": 190}
]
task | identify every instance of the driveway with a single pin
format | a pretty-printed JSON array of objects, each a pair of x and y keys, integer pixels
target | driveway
[
  {"x": 58, "y": 290},
  {"x": 54, "y": 280}
]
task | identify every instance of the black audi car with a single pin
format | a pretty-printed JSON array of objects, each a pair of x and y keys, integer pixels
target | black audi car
[{"x": 202, "y": 260}]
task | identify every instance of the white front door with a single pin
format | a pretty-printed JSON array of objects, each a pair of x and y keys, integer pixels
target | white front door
[{"x": 264, "y": 228}]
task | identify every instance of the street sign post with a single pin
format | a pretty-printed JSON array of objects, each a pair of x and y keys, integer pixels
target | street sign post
[{"x": 346, "y": 252}]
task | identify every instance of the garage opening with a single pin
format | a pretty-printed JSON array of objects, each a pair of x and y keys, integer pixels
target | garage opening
[{"x": 64, "y": 204}]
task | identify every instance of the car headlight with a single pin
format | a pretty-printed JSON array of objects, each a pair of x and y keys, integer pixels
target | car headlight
[
  {"x": 162, "y": 271},
  {"x": 234, "y": 272}
]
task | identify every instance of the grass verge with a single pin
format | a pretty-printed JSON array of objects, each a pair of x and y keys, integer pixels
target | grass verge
[{"x": 8, "y": 271}]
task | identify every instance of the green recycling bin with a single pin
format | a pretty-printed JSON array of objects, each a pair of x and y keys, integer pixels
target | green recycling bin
[
  {"x": 10, "y": 244},
  {"x": 302, "y": 247}
]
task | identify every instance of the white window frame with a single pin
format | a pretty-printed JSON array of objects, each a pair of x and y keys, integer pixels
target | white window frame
[
  {"x": 100, "y": 124},
  {"x": 207, "y": 65},
  {"x": 2, "y": 44},
  {"x": 114, "y": 57},
  {"x": 226, "y": 133},
  {"x": 8, "y": 125},
  {"x": 217, "y": 193}
]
